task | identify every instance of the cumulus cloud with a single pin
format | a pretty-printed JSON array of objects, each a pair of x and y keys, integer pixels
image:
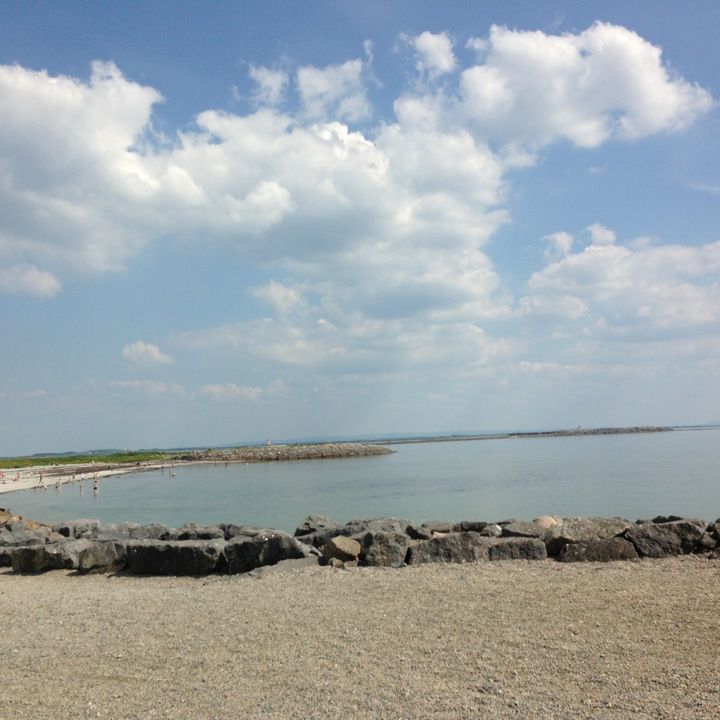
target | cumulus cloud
[
  {"x": 270, "y": 85},
  {"x": 25, "y": 279},
  {"x": 282, "y": 297},
  {"x": 605, "y": 82},
  {"x": 379, "y": 234},
  {"x": 145, "y": 353},
  {"x": 434, "y": 53},
  {"x": 646, "y": 286},
  {"x": 231, "y": 391},
  {"x": 335, "y": 91},
  {"x": 146, "y": 387}
]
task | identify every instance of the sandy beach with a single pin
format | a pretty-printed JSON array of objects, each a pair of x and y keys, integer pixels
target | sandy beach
[{"x": 503, "y": 640}]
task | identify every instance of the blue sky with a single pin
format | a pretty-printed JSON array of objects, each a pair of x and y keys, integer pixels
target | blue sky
[{"x": 222, "y": 222}]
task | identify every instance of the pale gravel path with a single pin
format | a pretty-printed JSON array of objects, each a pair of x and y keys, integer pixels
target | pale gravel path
[{"x": 495, "y": 640}]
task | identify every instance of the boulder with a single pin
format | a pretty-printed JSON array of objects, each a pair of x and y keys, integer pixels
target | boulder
[
  {"x": 39, "y": 558},
  {"x": 180, "y": 557},
  {"x": 191, "y": 531},
  {"x": 102, "y": 556},
  {"x": 658, "y": 540},
  {"x": 232, "y": 530},
  {"x": 518, "y": 548},
  {"x": 71, "y": 549},
  {"x": 451, "y": 548},
  {"x": 384, "y": 549},
  {"x": 605, "y": 550},
  {"x": 441, "y": 526},
  {"x": 318, "y": 538},
  {"x": 519, "y": 528},
  {"x": 314, "y": 523},
  {"x": 5, "y": 556},
  {"x": 268, "y": 547},
  {"x": 706, "y": 543},
  {"x": 574, "y": 530},
  {"x": 18, "y": 533},
  {"x": 473, "y": 525},
  {"x": 76, "y": 528},
  {"x": 343, "y": 548},
  {"x": 153, "y": 531},
  {"x": 492, "y": 530},
  {"x": 382, "y": 524},
  {"x": 547, "y": 521},
  {"x": 418, "y": 532}
]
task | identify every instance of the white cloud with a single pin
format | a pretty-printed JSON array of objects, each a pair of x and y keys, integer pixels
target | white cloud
[
  {"x": 282, "y": 297},
  {"x": 600, "y": 235},
  {"x": 231, "y": 391},
  {"x": 152, "y": 388},
  {"x": 270, "y": 85},
  {"x": 653, "y": 287},
  {"x": 145, "y": 353},
  {"x": 559, "y": 245},
  {"x": 379, "y": 236},
  {"x": 335, "y": 91},
  {"x": 604, "y": 82},
  {"x": 26, "y": 279},
  {"x": 434, "y": 53}
]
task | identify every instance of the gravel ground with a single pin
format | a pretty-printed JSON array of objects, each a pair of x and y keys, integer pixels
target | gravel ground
[{"x": 493, "y": 640}]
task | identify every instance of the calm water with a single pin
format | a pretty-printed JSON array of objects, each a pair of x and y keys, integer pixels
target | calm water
[{"x": 627, "y": 475}]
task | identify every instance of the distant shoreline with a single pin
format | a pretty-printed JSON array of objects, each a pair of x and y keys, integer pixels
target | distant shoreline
[{"x": 635, "y": 429}]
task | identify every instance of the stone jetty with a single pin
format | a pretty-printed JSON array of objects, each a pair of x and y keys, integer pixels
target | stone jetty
[{"x": 89, "y": 546}]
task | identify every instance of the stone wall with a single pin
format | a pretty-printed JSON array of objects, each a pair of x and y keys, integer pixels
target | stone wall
[{"x": 88, "y": 546}]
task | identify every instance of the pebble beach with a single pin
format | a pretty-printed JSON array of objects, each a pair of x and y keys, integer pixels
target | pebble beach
[{"x": 515, "y": 639}]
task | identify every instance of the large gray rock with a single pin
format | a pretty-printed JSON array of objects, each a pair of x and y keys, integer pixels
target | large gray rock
[
  {"x": 518, "y": 548},
  {"x": 76, "y": 528},
  {"x": 605, "y": 550},
  {"x": 519, "y": 528},
  {"x": 191, "y": 531},
  {"x": 153, "y": 531},
  {"x": 71, "y": 549},
  {"x": 232, "y": 530},
  {"x": 102, "y": 556},
  {"x": 418, "y": 532},
  {"x": 473, "y": 525},
  {"x": 450, "y": 548},
  {"x": 574, "y": 530},
  {"x": 384, "y": 549},
  {"x": 5, "y": 556},
  {"x": 442, "y": 526},
  {"x": 342, "y": 548},
  {"x": 18, "y": 533},
  {"x": 179, "y": 557},
  {"x": 382, "y": 524},
  {"x": 661, "y": 540},
  {"x": 39, "y": 558},
  {"x": 268, "y": 547},
  {"x": 314, "y": 523}
]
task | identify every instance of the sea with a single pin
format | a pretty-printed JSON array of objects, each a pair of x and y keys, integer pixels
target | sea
[{"x": 632, "y": 476}]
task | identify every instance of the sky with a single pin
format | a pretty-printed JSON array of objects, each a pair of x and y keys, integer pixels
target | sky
[{"x": 223, "y": 222}]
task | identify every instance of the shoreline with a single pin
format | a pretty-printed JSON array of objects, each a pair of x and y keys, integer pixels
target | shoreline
[{"x": 39, "y": 477}]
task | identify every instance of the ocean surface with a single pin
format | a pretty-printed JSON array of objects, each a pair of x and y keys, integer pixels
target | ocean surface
[{"x": 633, "y": 476}]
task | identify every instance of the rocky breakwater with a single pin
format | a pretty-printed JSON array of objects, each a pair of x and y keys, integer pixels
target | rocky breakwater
[
  {"x": 88, "y": 546},
  {"x": 267, "y": 453}
]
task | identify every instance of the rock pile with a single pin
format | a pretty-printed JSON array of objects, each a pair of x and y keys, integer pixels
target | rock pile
[{"x": 88, "y": 546}]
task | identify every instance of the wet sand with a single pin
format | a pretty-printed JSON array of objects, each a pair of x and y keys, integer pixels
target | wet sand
[{"x": 499, "y": 640}]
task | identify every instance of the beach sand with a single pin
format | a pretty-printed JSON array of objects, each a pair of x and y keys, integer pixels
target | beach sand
[{"x": 511, "y": 639}]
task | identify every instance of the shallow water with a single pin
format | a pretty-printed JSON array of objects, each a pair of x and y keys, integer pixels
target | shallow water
[{"x": 627, "y": 475}]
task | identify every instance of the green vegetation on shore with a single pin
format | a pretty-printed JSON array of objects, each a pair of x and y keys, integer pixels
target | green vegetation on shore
[{"x": 119, "y": 457}]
